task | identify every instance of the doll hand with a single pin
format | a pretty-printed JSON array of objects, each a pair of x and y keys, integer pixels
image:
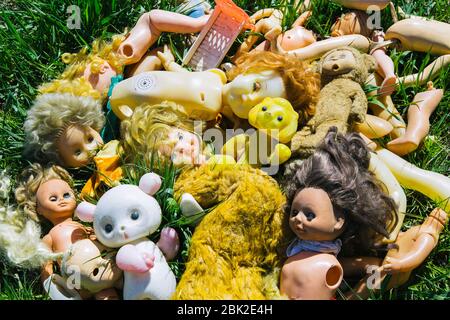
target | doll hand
[
  {"x": 129, "y": 259},
  {"x": 166, "y": 57},
  {"x": 392, "y": 265}
]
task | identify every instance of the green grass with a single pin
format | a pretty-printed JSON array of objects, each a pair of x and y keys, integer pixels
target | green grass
[{"x": 33, "y": 35}]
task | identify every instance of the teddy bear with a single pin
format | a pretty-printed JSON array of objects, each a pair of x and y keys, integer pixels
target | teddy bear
[
  {"x": 123, "y": 218},
  {"x": 236, "y": 251},
  {"x": 342, "y": 100}
]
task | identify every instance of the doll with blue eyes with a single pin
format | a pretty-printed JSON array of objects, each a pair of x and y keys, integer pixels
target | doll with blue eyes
[
  {"x": 46, "y": 194},
  {"x": 333, "y": 202}
]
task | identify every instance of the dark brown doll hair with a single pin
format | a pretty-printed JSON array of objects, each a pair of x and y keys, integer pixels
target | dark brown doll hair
[{"x": 339, "y": 166}]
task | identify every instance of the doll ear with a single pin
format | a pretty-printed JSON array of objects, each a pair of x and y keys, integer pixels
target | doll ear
[
  {"x": 150, "y": 183},
  {"x": 339, "y": 224},
  {"x": 85, "y": 211}
]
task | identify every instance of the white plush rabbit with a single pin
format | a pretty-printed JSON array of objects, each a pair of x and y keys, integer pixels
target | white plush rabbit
[{"x": 123, "y": 217}]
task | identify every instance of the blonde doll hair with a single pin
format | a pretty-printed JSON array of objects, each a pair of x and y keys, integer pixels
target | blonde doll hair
[
  {"x": 301, "y": 82},
  {"x": 147, "y": 130},
  {"x": 20, "y": 237},
  {"x": 101, "y": 51},
  {"x": 30, "y": 181},
  {"x": 50, "y": 115}
]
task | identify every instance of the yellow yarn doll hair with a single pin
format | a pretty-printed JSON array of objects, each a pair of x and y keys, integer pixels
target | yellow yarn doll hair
[{"x": 147, "y": 130}]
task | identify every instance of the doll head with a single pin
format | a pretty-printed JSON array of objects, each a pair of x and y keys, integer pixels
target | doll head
[
  {"x": 98, "y": 271},
  {"x": 164, "y": 129},
  {"x": 46, "y": 193},
  {"x": 63, "y": 128},
  {"x": 125, "y": 213},
  {"x": 97, "y": 67},
  {"x": 346, "y": 63},
  {"x": 267, "y": 74},
  {"x": 332, "y": 194}
]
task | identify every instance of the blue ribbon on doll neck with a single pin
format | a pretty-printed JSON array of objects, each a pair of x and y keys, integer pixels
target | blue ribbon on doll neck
[{"x": 299, "y": 245}]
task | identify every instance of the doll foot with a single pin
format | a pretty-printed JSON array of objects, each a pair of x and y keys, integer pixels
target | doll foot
[
  {"x": 169, "y": 243},
  {"x": 387, "y": 86},
  {"x": 402, "y": 146}
]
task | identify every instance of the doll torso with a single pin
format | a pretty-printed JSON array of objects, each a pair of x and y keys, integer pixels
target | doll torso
[
  {"x": 156, "y": 284},
  {"x": 305, "y": 276},
  {"x": 200, "y": 93},
  {"x": 65, "y": 234}
]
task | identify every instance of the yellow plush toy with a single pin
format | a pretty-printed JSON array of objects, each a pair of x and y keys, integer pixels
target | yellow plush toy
[
  {"x": 276, "y": 121},
  {"x": 237, "y": 249}
]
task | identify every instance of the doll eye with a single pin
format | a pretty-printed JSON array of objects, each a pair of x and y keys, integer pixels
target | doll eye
[
  {"x": 280, "y": 118},
  {"x": 180, "y": 137},
  {"x": 53, "y": 198},
  {"x": 256, "y": 86},
  {"x": 77, "y": 152},
  {"x": 294, "y": 213},
  {"x": 108, "y": 228},
  {"x": 95, "y": 272},
  {"x": 134, "y": 215},
  {"x": 67, "y": 195},
  {"x": 309, "y": 215},
  {"x": 264, "y": 108},
  {"x": 90, "y": 139}
]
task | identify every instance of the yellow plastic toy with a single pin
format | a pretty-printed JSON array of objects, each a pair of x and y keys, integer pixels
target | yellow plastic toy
[
  {"x": 276, "y": 121},
  {"x": 434, "y": 185},
  {"x": 275, "y": 113}
]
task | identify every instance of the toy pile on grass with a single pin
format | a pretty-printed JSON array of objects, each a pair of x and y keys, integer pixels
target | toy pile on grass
[{"x": 266, "y": 169}]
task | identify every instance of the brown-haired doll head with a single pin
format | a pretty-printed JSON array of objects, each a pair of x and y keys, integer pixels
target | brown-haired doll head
[{"x": 339, "y": 167}]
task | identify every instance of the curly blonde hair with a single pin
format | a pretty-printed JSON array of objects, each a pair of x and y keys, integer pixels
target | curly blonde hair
[
  {"x": 29, "y": 182},
  {"x": 301, "y": 82},
  {"x": 50, "y": 115},
  {"x": 148, "y": 129}
]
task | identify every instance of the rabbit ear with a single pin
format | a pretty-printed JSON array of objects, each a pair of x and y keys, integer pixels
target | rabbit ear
[
  {"x": 85, "y": 211},
  {"x": 150, "y": 183}
]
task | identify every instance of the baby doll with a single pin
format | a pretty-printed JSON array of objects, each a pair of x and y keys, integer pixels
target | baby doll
[
  {"x": 46, "y": 194},
  {"x": 333, "y": 200}
]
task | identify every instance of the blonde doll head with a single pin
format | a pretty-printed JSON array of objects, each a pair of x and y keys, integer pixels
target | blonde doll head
[
  {"x": 30, "y": 180},
  {"x": 63, "y": 128},
  {"x": 163, "y": 129}
]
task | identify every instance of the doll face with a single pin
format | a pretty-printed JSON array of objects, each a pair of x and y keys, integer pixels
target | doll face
[
  {"x": 296, "y": 38},
  {"x": 55, "y": 200},
  {"x": 77, "y": 145},
  {"x": 186, "y": 149},
  {"x": 98, "y": 270},
  {"x": 247, "y": 90},
  {"x": 339, "y": 62},
  {"x": 124, "y": 214},
  {"x": 100, "y": 80},
  {"x": 312, "y": 216}
]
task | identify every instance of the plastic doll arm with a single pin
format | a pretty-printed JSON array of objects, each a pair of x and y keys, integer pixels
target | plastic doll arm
[
  {"x": 429, "y": 73},
  {"x": 149, "y": 27},
  {"x": 373, "y": 127},
  {"x": 281, "y": 154},
  {"x": 129, "y": 259},
  {"x": 390, "y": 114},
  {"x": 168, "y": 61},
  {"x": 419, "y": 251},
  {"x": 301, "y": 21},
  {"x": 262, "y": 13},
  {"x": 47, "y": 270},
  {"x": 169, "y": 243}
]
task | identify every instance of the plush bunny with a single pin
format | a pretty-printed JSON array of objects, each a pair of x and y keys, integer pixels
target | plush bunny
[{"x": 123, "y": 218}]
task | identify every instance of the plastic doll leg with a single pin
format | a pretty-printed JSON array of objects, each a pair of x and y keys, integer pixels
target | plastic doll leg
[
  {"x": 434, "y": 185},
  {"x": 169, "y": 243},
  {"x": 390, "y": 114},
  {"x": 385, "y": 67},
  {"x": 150, "y": 26}
]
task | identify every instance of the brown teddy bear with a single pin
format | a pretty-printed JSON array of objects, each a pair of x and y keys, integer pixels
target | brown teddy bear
[{"x": 342, "y": 100}]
